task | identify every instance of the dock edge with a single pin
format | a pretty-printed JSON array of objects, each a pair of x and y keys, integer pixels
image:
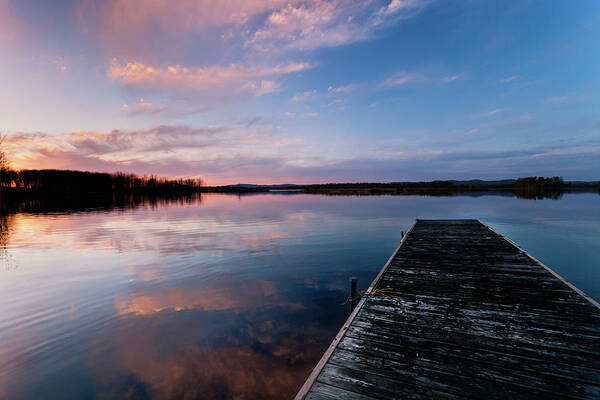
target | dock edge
[
  {"x": 310, "y": 381},
  {"x": 541, "y": 264}
]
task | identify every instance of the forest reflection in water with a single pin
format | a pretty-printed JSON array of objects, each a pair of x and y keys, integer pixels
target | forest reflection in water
[{"x": 221, "y": 296}]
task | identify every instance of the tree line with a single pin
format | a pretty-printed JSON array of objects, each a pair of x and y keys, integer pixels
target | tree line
[
  {"x": 538, "y": 187},
  {"x": 67, "y": 181},
  {"x": 83, "y": 182}
]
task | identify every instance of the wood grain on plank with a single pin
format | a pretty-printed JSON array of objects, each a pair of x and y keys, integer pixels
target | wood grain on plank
[{"x": 474, "y": 316}]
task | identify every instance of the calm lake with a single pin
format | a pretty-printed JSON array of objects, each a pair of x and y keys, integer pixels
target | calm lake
[{"x": 224, "y": 296}]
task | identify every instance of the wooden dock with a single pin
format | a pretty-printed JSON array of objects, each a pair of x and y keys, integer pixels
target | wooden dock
[{"x": 475, "y": 317}]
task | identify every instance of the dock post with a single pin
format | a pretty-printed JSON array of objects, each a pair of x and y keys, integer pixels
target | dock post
[{"x": 353, "y": 293}]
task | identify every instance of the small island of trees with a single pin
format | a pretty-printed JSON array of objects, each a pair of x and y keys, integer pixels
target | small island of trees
[{"x": 539, "y": 187}]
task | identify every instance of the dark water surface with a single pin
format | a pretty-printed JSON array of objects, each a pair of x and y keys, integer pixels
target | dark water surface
[{"x": 225, "y": 297}]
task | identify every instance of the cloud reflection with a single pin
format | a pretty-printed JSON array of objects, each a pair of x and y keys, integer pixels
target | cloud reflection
[
  {"x": 146, "y": 303},
  {"x": 234, "y": 296}
]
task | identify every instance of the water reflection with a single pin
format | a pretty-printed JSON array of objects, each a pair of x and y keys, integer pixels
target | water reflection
[
  {"x": 98, "y": 202},
  {"x": 6, "y": 261},
  {"x": 220, "y": 296},
  {"x": 238, "y": 352},
  {"x": 231, "y": 295}
]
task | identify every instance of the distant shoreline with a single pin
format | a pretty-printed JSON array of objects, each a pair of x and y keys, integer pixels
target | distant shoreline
[
  {"x": 523, "y": 187},
  {"x": 82, "y": 185},
  {"x": 14, "y": 199}
]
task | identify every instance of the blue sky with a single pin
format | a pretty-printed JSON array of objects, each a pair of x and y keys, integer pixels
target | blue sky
[{"x": 277, "y": 91}]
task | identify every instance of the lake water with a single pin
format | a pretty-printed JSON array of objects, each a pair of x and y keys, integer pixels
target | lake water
[{"x": 224, "y": 297}]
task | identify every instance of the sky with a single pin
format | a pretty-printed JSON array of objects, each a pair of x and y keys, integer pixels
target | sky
[{"x": 307, "y": 91}]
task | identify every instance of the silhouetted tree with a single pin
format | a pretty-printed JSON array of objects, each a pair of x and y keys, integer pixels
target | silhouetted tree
[
  {"x": 6, "y": 174},
  {"x": 131, "y": 183},
  {"x": 539, "y": 187},
  {"x": 3, "y": 160},
  {"x": 66, "y": 182}
]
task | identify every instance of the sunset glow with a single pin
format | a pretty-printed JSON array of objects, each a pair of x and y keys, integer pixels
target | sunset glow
[{"x": 302, "y": 91}]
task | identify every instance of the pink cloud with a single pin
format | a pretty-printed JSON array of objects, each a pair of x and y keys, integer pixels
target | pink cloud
[
  {"x": 143, "y": 107},
  {"x": 177, "y": 77},
  {"x": 127, "y": 25},
  {"x": 145, "y": 35},
  {"x": 251, "y": 153},
  {"x": 168, "y": 150},
  {"x": 114, "y": 146},
  {"x": 12, "y": 27},
  {"x": 134, "y": 27}
]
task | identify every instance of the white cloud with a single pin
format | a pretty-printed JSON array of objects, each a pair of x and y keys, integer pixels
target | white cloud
[
  {"x": 129, "y": 26},
  {"x": 303, "y": 96},
  {"x": 510, "y": 78},
  {"x": 313, "y": 24},
  {"x": 342, "y": 89},
  {"x": 494, "y": 111},
  {"x": 399, "y": 78},
  {"x": 555, "y": 99},
  {"x": 143, "y": 107},
  {"x": 396, "y": 6},
  {"x": 453, "y": 78}
]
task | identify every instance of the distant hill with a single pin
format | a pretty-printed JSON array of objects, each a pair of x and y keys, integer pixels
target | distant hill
[
  {"x": 531, "y": 187},
  {"x": 253, "y": 186},
  {"x": 482, "y": 182},
  {"x": 472, "y": 182},
  {"x": 478, "y": 182}
]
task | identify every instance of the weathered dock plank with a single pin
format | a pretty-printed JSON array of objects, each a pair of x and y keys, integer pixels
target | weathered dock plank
[{"x": 473, "y": 317}]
